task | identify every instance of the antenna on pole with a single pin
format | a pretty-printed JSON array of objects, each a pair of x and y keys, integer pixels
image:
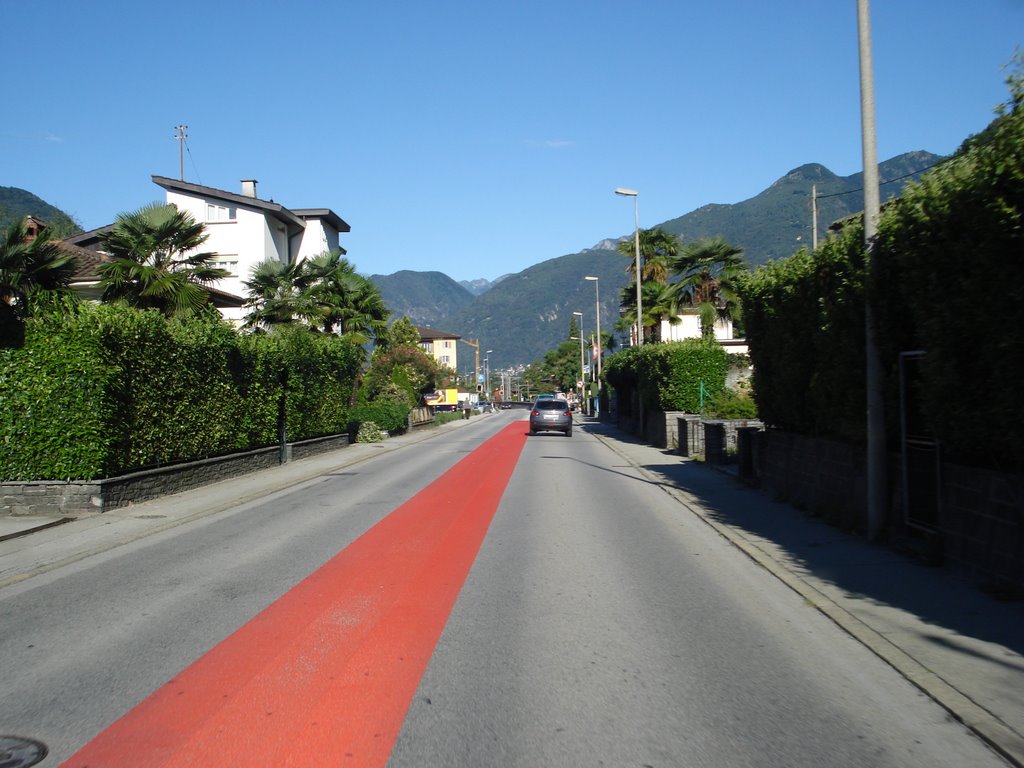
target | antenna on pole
[{"x": 180, "y": 136}]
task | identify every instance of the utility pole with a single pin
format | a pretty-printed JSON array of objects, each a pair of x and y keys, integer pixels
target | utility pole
[
  {"x": 814, "y": 217},
  {"x": 876, "y": 456},
  {"x": 181, "y": 135},
  {"x": 476, "y": 359}
]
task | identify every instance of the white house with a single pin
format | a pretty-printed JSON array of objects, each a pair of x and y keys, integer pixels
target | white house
[
  {"x": 245, "y": 230},
  {"x": 689, "y": 328}
]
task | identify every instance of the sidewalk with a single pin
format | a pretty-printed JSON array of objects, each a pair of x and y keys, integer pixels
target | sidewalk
[
  {"x": 33, "y": 545},
  {"x": 959, "y": 645}
]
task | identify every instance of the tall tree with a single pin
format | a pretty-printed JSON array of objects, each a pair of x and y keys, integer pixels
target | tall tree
[
  {"x": 660, "y": 302},
  {"x": 657, "y": 250},
  {"x": 155, "y": 261},
  {"x": 276, "y": 297},
  {"x": 708, "y": 270},
  {"x": 402, "y": 333},
  {"x": 27, "y": 269}
]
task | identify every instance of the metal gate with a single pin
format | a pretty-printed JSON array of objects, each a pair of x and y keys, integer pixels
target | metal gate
[{"x": 919, "y": 450}]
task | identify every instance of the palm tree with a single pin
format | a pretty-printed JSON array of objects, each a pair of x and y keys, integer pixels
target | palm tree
[
  {"x": 276, "y": 296},
  {"x": 27, "y": 269},
  {"x": 347, "y": 302},
  {"x": 155, "y": 262},
  {"x": 657, "y": 250},
  {"x": 660, "y": 302},
  {"x": 708, "y": 270}
]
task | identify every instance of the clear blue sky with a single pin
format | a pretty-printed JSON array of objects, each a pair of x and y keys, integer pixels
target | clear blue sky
[{"x": 479, "y": 138}]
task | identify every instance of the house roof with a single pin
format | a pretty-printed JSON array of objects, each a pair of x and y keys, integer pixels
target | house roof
[
  {"x": 274, "y": 209},
  {"x": 430, "y": 334},
  {"x": 87, "y": 260},
  {"x": 89, "y": 240},
  {"x": 326, "y": 214}
]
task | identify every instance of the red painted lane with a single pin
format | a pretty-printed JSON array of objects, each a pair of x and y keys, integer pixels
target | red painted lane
[{"x": 325, "y": 675}]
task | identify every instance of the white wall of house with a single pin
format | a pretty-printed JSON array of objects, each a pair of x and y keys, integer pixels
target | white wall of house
[
  {"x": 244, "y": 235},
  {"x": 240, "y": 242},
  {"x": 689, "y": 328},
  {"x": 318, "y": 238}
]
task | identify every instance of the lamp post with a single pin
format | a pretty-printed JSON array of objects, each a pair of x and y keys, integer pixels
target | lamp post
[
  {"x": 876, "y": 451},
  {"x": 487, "y": 373},
  {"x": 580, "y": 387},
  {"x": 636, "y": 244},
  {"x": 600, "y": 341}
]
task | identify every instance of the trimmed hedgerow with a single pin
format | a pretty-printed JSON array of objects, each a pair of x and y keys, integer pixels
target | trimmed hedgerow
[
  {"x": 669, "y": 376},
  {"x": 948, "y": 279},
  {"x": 108, "y": 389}
]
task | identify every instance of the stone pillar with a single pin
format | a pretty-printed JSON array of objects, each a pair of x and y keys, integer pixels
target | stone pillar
[
  {"x": 746, "y": 447},
  {"x": 714, "y": 442}
]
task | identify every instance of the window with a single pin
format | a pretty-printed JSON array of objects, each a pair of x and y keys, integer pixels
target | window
[
  {"x": 226, "y": 261},
  {"x": 216, "y": 213}
]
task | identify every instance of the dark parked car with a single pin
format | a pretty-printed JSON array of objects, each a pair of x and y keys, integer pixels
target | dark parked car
[{"x": 550, "y": 415}]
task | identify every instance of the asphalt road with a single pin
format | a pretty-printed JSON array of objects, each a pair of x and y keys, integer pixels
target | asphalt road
[{"x": 599, "y": 624}]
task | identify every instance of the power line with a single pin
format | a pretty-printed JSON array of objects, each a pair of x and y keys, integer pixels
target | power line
[{"x": 889, "y": 181}]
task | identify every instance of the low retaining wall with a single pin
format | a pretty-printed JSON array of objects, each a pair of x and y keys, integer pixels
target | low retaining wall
[
  {"x": 980, "y": 517},
  {"x": 76, "y": 498}
]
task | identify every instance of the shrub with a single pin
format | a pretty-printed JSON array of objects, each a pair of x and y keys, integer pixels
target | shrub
[
  {"x": 669, "y": 376},
  {"x": 388, "y": 415},
  {"x": 731, "y": 405},
  {"x": 370, "y": 433}
]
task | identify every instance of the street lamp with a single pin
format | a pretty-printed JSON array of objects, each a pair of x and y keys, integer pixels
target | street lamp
[
  {"x": 600, "y": 341},
  {"x": 487, "y": 374},
  {"x": 636, "y": 244},
  {"x": 580, "y": 387}
]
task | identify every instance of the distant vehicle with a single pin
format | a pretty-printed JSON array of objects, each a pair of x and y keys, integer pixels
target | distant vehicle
[
  {"x": 546, "y": 397},
  {"x": 551, "y": 415}
]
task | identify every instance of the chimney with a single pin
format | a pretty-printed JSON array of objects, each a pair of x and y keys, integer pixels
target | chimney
[{"x": 249, "y": 187}]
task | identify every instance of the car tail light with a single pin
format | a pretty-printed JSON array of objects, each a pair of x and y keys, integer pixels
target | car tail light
[{"x": 534, "y": 413}]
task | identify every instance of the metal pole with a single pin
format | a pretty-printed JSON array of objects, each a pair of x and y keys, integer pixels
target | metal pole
[
  {"x": 636, "y": 244},
  {"x": 600, "y": 342},
  {"x": 814, "y": 217},
  {"x": 876, "y": 453}
]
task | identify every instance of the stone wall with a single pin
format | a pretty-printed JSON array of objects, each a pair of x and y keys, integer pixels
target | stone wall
[
  {"x": 77, "y": 498},
  {"x": 980, "y": 523},
  {"x": 981, "y": 512},
  {"x": 824, "y": 477}
]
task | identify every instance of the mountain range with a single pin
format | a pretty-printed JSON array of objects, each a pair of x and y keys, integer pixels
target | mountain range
[
  {"x": 524, "y": 315},
  {"x": 519, "y": 317}
]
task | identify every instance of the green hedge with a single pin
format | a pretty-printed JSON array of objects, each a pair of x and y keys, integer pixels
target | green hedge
[
  {"x": 388, "y": 415},
  {"x": 669, "y": 376},
  {"x": 108, "y": 389},
  {"x": 804, "y": 319},
  {"x": 948, "y": 279}
]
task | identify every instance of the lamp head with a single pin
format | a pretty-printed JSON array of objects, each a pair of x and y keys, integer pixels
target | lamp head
[{"x": 626, "y": 192}]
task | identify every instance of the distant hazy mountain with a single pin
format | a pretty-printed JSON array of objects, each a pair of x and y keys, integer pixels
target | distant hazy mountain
[
  {"x": 426, "y": 297},
  {"x": 480, "y": 285}
]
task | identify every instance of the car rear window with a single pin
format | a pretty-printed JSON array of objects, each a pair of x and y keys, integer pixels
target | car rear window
[{"x": 551, "y": 405}]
